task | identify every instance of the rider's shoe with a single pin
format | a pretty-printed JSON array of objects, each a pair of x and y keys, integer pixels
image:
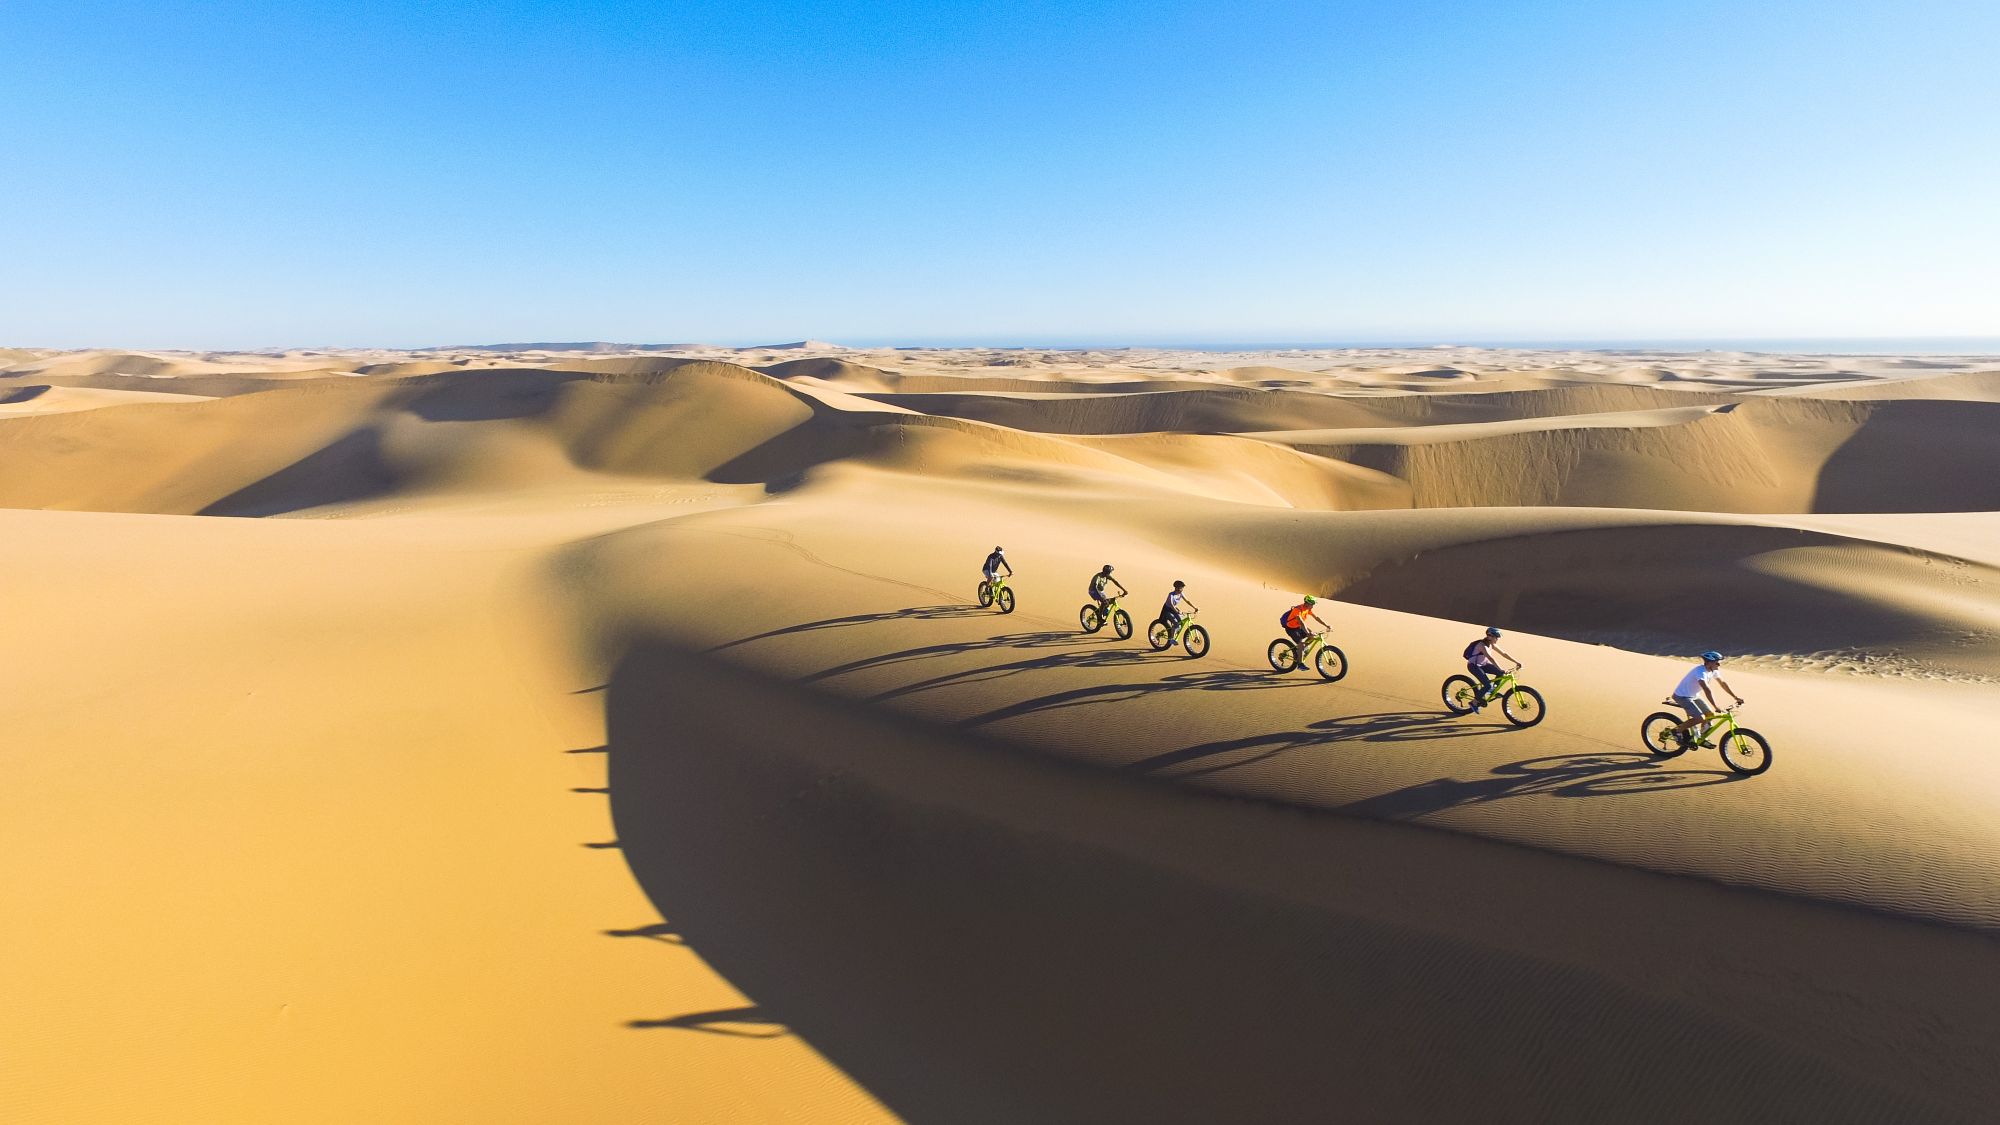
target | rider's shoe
[{"x": 1706, "y": 745}]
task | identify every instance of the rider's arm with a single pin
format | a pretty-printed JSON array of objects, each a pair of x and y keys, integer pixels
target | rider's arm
[
  {"x": 1727, "y": 688},
  {"x": 1503, "y": 652},
  {"x": 1122, "y": 591},
  {"x": 1322, "y": 621}
]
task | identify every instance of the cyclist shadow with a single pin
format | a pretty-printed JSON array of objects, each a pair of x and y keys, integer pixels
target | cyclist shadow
[
  {"x": 919, "y": 613},
  {"x": 1006, "y": 641},
  {"x": 1235, "y": 753},
  {"x": 1098, "y": 658},
  {"x": 1563, "y": 775},
  {"x": 1226, "y": 679}
]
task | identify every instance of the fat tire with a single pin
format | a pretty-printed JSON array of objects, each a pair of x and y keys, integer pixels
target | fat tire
[
  {"x": 1458, "y": 693},
  {"x": 1088, "y": 618},
  {"x": 1283, "y": 655},
  {"x": 1673, "y": 747},
  {"x": 985, "y": 594},
  {"x": 1331, "y": 663},
  {"x": 1006, "y": 598},
  {"x": 1195, "y": 641},
  {"x": 1158, "y": 636},
  {"x": 1509, "y": 708},
  {"x": 1121, "y": 624},
  {"x": 1758, "y": 747}
]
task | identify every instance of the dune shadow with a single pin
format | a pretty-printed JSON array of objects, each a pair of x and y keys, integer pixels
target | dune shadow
[
  {"x": 976, "y": 935},
  {"x": 351, "y": 468}
]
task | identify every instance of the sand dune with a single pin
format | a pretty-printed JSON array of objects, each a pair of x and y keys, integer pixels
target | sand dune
[{"x": 605, "y": 733}]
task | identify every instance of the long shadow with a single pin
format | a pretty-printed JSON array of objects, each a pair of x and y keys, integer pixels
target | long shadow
[
  {"x": 1095, "y": 658},
  {"x": 977, "y": 936},
  {"x": 1225, "y": 679},
  {"x": 1387, "y": 726},
  {"x": 658, "y": 931},
  {"x": 1005, "y": 641},
  {"x": 716, "y": 1021},
  {"x": 921, "y": 613},
  {"x": 1564, "y": 775}
]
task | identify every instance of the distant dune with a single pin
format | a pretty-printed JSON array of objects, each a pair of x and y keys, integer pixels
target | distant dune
[{"x": 608, "y": 732}]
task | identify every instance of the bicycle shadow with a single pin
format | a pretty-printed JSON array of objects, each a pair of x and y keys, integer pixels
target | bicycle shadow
[
  {"x": 1563, "y": 775},
  {"x": 1385, "y": 726},
  {"x": 920, "y": 613},
  {"x": 1048, "y": 638},
  {"x": 1099, "y": 658},
  {"x": 1225, "y": 679}
]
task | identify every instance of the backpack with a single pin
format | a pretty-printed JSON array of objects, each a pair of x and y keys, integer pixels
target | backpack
[{"x": 1472, "y": 651}]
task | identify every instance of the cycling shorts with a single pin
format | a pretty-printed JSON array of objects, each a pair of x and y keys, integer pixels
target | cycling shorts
[{"x": 1695, "y": 706}]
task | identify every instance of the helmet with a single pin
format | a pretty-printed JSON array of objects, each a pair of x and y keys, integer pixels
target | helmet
[
  {"x": 1107, "y": 568},
  {"x": 996, "y": 550},
  {"x": 1492, "y": 632},
  {"x": 1178, "y": 584},
  {"x": 1310, "y": 599},
  {"x": 1712, "y": 655}
]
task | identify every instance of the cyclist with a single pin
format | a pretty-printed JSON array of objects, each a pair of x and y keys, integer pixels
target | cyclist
[
  {"x": 1698, "y": 679},
  {"x": 1479, "y": 661},
  {"x": 991, "y": 568},
  {"x": 1172, "y": 612},
  {"x": 1100, "y": 584},
  {"x": 1294, "y": 620}
]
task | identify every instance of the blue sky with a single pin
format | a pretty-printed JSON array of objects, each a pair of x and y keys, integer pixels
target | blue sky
[{"x": 243, "y": 175}]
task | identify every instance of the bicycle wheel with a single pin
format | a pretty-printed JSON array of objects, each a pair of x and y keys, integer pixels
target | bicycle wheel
[
  {"x": 1195, "y": 641},
  {"x": 1331, "y": 662},
  {"x": 1523, "y": 706},
  {"x": 1121, "y": 624},
  {"x": 1659, "y": 735},
  {"x": 1460, "y": 693},
  {"x": 1745, "y": 751},
  {"x": 1088, "y": 618},
  {"x": 1158, "y": 636},
  {"x": 985, "y": 594},
  {"x": 1006, "y": 599},
  {"x": 1282, "y": 655}
]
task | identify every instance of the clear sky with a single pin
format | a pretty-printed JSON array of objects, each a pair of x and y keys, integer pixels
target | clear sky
[{"x": 230, "y": 174}]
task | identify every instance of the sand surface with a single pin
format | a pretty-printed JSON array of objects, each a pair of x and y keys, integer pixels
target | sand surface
[{"x": 575, "y": 733}]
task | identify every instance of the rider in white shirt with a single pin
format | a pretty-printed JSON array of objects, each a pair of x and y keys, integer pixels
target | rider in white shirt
[
  {"x": 1177, "y": 607},
  {"x": 1699, "y": 680}
]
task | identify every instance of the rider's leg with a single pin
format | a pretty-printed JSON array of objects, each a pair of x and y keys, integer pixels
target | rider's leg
[
  {"x": 1479, "y": 673},
  {"x": 1698, "y": 711},
  {"x": 1484, "y": 673}
]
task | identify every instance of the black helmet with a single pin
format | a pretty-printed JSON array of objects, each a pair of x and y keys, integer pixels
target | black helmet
[
  {"x": 1178, "y": 584},
  {"x": 1492, "y": 632},
  {"x": 1107, "y": 568},
  {"x": 996, "y": 550}
]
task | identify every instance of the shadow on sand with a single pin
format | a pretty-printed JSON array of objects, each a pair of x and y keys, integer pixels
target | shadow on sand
[{"x": 976, "y": 935}]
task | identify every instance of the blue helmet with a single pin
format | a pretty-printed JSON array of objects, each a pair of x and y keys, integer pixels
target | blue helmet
[
  {"x": 1492, "y": 632},
  {"x": 1712, "y": 655}
]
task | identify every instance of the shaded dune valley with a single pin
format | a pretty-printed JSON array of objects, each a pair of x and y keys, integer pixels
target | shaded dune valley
[{"x": 586, "y": 733}]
